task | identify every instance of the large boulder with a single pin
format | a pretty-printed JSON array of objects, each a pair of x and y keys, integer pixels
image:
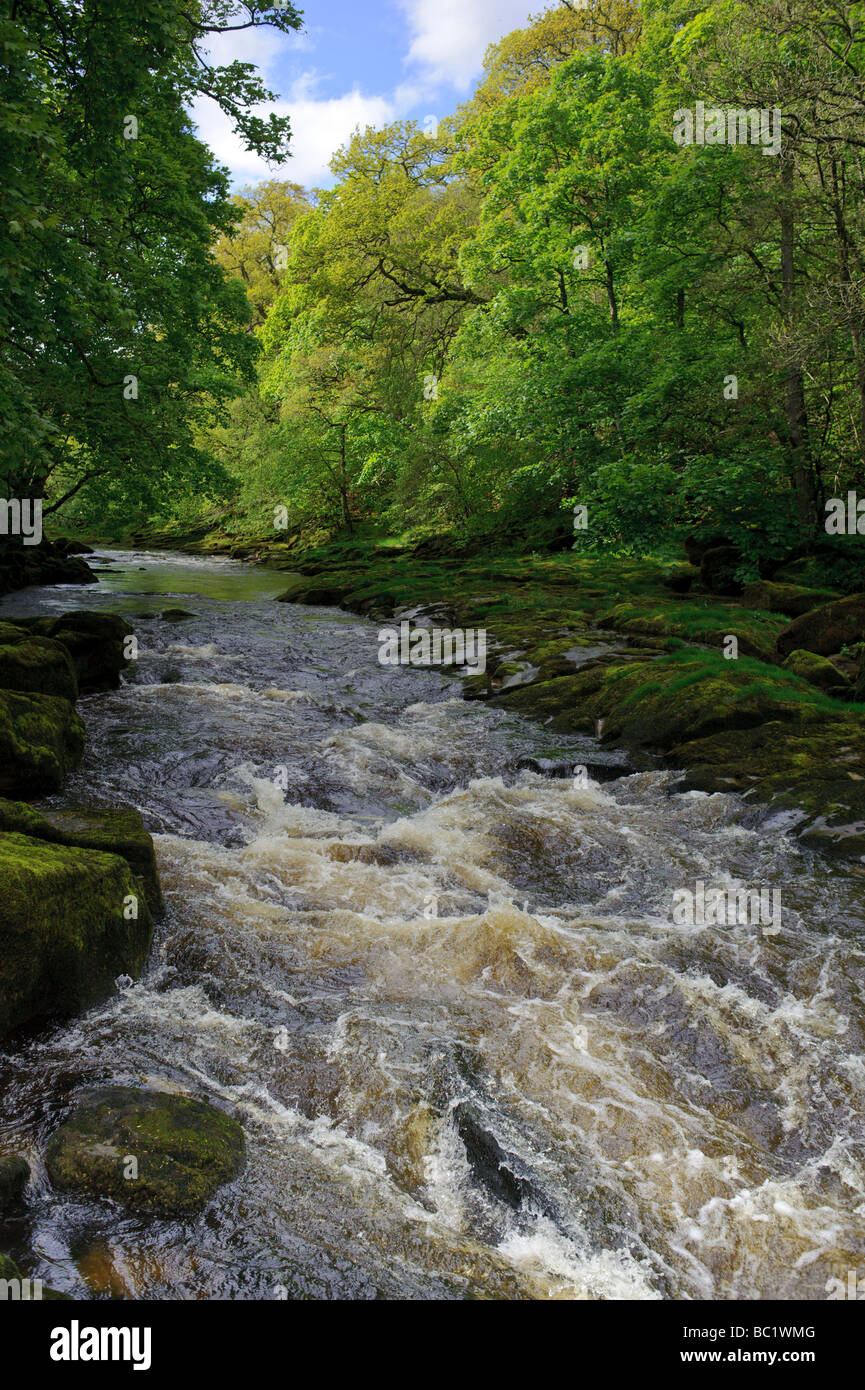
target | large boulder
[
  {"x": 115, "y": 830},
  {"x": 657, "y": 704},
  {"x": 35, "y": 665},
  {"x": 41, "y": 740},
  {"x": 820, "y": 672},
  {"x": 95, "y": 642},
  {"x": 150, "y": 1150},
  {"x": 71, "y": 921},
  {"x": 826, "y": 630},
  {"x": 790, "y": 599}
]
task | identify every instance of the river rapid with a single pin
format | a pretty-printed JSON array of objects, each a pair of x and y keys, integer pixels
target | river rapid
[{"x": 473, "y": 1053}]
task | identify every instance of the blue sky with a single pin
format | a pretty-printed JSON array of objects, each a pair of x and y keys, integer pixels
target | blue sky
[{"x": 359, "y": 64}]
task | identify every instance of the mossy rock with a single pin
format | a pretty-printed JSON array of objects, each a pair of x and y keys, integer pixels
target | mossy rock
[
  {"x": 656, "y": 704},
  {"x": 36, "y": 665},
  {"x": 41, "y": 740},
  {"x": 316, "y": 592},
  {"x": 14, "y": 1177},
  {"x": 95, "y": 642},
  {"x": 64, "y": 933},
  {"x": 184, "y": 1149},
  {"x": 815, "y": 777},
  {"x": 790, "y": 599},
  {"x": 696, "y": 620},
  {"x": 826, "y": 630},
  {"x": 820, "y": 672},
  {"x": 115, "y": 830},
  {"x": 176, "y": 615}
]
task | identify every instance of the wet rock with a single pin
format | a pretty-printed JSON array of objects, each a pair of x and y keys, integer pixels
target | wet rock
[
  {"x": 35, "y": 665},
  {"x": 501, "y": 1173},
  {"x": 14, "y": 1177},
  {"x": 315, "y": 593},
  {"x": 819, "y": 672},
  {"x": 66, "y": 929},
  {"x": 41, "y": 740},
  {"x": 557, "y": 767},
  {"x": 176, "y": 615},
  {"x": 826, "y": 630},
  {"x": 149, "y": 1150},
  {"x": 95, "y": 642},
  {"x": 116, "y": 830}
]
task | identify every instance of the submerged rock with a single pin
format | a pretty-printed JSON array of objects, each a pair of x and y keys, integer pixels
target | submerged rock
[
  {"x": 115, "y": 830},
  {"x": 14, "y": 1177},
  {"x": 67, "y": 928},
  {"x": 41, "y": 740},
  {"x": 151, "y": 1151}
]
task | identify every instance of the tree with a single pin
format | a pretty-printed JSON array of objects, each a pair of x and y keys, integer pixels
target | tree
[{"x": 119, "y": 333}]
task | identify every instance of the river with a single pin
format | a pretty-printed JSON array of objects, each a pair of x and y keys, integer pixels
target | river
[{"x": 473, "y": 1054}]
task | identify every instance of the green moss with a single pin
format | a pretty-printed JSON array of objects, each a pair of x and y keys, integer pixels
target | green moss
[
  {"x": 38, "y": 665},
  {"x": 41, "y": 740},
  {"x": 182, "y": 1148},
  {"x": 116, "y": 830},
  {"x": 64, "y": 932}
]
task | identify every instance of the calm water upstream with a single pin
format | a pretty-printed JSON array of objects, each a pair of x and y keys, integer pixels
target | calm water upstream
[{"x": 679, "y": 1109}]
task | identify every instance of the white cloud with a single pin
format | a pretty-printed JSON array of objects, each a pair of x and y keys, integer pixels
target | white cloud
[
  {"x": 449, "y": 37},
  {"x": 318, "y": 128},
  {"x": 446, "y": 42}
]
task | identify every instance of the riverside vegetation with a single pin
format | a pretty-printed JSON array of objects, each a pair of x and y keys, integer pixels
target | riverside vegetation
[{"x": 541, "y": 372}]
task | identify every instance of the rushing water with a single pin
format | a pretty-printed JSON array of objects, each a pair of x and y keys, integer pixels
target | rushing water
[{"x": 403, "y": 962}]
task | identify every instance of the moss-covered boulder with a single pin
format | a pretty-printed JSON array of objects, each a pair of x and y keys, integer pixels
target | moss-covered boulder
[
  {"x": 152, "y": 1151},
  {"x": 656, "y": 704},
  {"x": 820, "y": 672},
  {"x": 41, "y": 740},
  {"x": 814, "y": 777},
  {"x": 14, "y": 1177},
  {"x": 35, "y": 665},
  {"x": 95, "y": 642},
  {"x": 315, "y": 592},
  {"x": 115, "y": 830},
  {"x": 826, "y": 630},
  {"x": 790, "y": 599},
  {"x": 71, "y": 921}
]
